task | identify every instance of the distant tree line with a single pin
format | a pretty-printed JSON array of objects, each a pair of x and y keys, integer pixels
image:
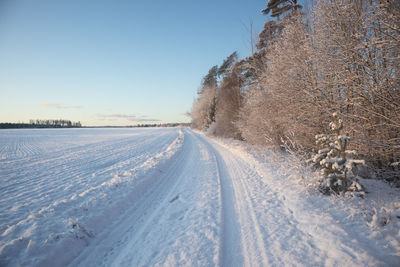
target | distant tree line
[
  {"x": 42, "y": 124},
  {"x": 338, "y": 56},
  {"x": 163, "y": 125},
  {"x": 147, "y": 125}
]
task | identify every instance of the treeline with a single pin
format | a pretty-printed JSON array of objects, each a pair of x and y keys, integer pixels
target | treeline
[
  {"x": 148, "y": 125},
  {"x": 163, "y": 125},
  {"x": 339, "y": 56},
  {"x": 42, "y": 124}
]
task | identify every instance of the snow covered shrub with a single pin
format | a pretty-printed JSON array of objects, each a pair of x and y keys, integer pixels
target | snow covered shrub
[{"x": 336, "y": 162}]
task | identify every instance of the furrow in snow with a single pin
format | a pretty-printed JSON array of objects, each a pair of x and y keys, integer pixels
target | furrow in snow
[
  {"x": 242, "y": 244},
  {"x": 51, "y": 199},
  {"x": 230, "y": 253},
  {"x": 255, "y": 250}
]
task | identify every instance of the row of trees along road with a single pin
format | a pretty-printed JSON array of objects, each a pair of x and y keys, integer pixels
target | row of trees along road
[{"x": 336, "y": 56}]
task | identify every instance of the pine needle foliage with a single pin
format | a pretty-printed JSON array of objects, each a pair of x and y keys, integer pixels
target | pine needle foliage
[{"x": 336, "y": 162}]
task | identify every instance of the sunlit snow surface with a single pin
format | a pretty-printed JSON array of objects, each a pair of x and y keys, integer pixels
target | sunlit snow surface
[
  {"x": 170, "y": 196},
  {"x": 54, "y": 182}
]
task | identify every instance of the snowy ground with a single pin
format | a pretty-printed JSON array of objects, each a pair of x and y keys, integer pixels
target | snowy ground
[{"x": 173, "y": 197}]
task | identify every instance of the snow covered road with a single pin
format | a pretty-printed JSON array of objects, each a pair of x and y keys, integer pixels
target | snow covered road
[{"x": 161, "y": 197}]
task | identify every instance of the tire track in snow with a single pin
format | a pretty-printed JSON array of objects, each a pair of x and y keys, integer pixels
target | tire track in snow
[
  {"x": 256, "y": 251},
  {"x": 230, "y": 243},
  {"x": 241, "y": 240},
  {"x": 230, "y": 253}
]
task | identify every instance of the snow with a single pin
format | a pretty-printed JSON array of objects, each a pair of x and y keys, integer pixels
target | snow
[{"x": 174, "y": 197}]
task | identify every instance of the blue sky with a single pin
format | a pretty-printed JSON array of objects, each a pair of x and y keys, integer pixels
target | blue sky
[{"x": 114, "y": 62}]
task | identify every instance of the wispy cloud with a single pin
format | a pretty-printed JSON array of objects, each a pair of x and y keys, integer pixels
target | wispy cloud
[
  {"x": 129, "y": 117},
  {"x": 59, "y": 106}
]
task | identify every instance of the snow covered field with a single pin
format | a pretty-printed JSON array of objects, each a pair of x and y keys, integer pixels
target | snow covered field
[{"x": 173, "y": 197}]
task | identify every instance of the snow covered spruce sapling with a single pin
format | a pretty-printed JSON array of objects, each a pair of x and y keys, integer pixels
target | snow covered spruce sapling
[{"x": 336, "y": 162}]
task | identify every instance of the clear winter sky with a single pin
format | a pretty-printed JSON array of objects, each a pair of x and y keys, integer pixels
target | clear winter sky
[{"x": 115, "y": 62}]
